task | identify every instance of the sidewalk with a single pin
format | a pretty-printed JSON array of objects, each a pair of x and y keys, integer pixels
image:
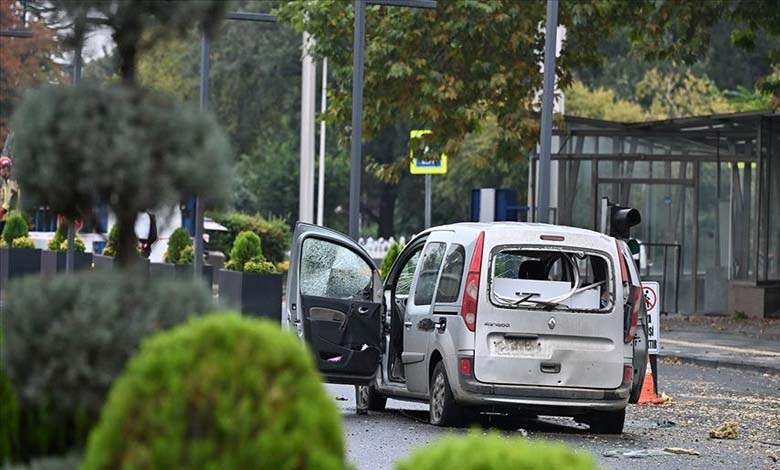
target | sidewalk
[{"x": 722, "y": 342}]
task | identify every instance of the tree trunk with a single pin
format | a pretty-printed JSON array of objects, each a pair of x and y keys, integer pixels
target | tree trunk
[
  {"x": 127, "y": 248},
  {"x": 389, "y": 194}
]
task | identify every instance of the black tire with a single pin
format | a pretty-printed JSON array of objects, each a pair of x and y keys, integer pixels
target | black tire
[
  {"x": 368, "y": 399},
  {"x": 607, "y": 422},
  {"x": 443, "y": 409}
]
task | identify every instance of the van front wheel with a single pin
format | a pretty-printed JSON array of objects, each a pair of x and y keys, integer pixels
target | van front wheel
[
  {"x": 607, "y": 422},
  {"x": 444, "y": 410}
]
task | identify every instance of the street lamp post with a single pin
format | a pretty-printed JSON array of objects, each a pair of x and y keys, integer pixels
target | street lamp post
[
  {"x": 358, "y": 47},
  {"x": 548, "y": 90},
  {"x": 204, "y": 104}
]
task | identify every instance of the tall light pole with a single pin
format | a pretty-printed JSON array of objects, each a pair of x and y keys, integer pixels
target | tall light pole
[
  {"x": 308, "y": 100},
  {"x": 358, "y": 47},
  {"x": 205, "y": 65},
  {"x": 545, "y": 137},
  {"x": 321, "y": 179}
]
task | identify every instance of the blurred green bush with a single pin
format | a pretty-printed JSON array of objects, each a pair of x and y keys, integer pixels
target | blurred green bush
[
  {"x": 274, "y": 233},
  {"x": 387, "y": 262},
  {"x": 246, "y": 249},
  {"x": 493, "y": 451},
  {"x": 66, "y": 339},
  {"x": 219, "y": 392},
  {"x": 15, "y": 227},
  {"x": 177, "y": 243}
]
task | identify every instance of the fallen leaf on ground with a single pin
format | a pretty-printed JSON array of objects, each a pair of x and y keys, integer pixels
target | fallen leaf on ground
[
  {"x": 727, "y": 430},
  {"x": 680, "y": 451}
]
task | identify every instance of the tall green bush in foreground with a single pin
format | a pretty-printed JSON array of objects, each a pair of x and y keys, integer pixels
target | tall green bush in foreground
[
  {"x": 387, "y": 262},
  {"x": 491, "y": 451},
  {"x": 66, "y": 339},
  {"x": 219, "y": 392}
]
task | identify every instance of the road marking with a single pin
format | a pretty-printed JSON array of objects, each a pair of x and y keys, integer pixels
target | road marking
[{"x": 720, "y": 347}]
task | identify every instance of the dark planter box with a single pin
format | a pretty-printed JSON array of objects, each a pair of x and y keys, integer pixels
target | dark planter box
[
  {"x": 53, "y": 262},
  {"x": 17, "y": 262},
  {"x": 103, "y": 263},
  {"x": 179, "y": 271},
  {"x": 252, "y": 293}
]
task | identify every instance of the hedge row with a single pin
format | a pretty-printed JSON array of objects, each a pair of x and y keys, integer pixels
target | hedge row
[{"x": 274, "y": 233}]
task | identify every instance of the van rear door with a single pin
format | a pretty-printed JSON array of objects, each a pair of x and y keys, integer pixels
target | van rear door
[{"x": 531, "y": 329}]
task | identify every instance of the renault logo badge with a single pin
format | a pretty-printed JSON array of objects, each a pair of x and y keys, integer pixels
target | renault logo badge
[{"x": 551, "y": 323}]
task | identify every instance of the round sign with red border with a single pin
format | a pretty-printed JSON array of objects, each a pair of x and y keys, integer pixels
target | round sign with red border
[{"x": 650, "y": 297}]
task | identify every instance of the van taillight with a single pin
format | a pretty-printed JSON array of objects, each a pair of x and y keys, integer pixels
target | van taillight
[
  {"x": 630, "y": 323},
  {"x": 469, "y": 308}
]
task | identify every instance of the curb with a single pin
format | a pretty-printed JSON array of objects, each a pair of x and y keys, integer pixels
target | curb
[{"x": 716, "y": 364}]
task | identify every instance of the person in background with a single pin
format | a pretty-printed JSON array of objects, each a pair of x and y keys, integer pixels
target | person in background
[{"x": 9, "y": 190}]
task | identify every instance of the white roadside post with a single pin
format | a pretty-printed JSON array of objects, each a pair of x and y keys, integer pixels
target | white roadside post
[{"x": 651, "y": 291}]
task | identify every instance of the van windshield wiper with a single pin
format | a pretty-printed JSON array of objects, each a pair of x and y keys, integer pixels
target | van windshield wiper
[{"x": 547, "y": 305}]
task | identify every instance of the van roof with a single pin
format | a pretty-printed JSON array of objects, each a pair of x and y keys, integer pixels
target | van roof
[{"x": 522, "y": 226}]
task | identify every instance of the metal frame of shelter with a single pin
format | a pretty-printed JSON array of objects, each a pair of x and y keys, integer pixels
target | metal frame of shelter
[{"x": 708, "y": 185}]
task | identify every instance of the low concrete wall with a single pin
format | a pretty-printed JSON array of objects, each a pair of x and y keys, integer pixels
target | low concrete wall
[{"x": 756, "y": 301}]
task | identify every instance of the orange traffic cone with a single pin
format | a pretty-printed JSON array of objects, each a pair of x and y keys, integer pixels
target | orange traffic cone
[{"x": 649, "y": 395}]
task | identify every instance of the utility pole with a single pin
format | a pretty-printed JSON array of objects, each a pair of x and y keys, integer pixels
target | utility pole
[
  {"x": 70, "y": 254},
  {"x": 308, "y": 99},
  {"x": 358, "y": 47},
  {"x": 321, "y": 182},
  {"x": 204, "y": 104},
  {"x": 545, "y": 137}
]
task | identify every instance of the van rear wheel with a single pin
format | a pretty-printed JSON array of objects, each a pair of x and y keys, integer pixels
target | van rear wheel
[
  {"x": 443, "y": 409},
  {"x": 369, "y": 399},
  {"x": 607, "y": 422}
]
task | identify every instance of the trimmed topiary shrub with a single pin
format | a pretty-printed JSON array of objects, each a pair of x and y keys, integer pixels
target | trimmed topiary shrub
[
  {"x": 67, "y": 338},
  {"x": 187, "y": 255},
  {"x": 274, "y": 233},
  {"x": 219, "y": 392},
  {"x": 246, "y": 248},
  {"x": 259, "y": 266},
  {"x": 178, "y": 242},
  {"x": 495, "y": 452},
  {"x": 23, "y": 242},
  {"x": 113, "y": 239},
  {"x": 59, "y": 242},
  {"x": 15, "y": 227},
  {"x": 387, "y": 262}
]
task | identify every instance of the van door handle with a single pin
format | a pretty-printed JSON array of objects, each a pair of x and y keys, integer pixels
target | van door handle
[
  {"x": 408, "y": 324},
  {"x": 520, "y": 336},
  {"x": 550, "y": 367}
]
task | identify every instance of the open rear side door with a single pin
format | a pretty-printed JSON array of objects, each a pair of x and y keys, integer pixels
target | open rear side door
[{"x": 335, "y": 302}]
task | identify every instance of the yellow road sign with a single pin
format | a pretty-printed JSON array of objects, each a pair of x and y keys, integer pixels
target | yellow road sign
[{"x": 425, "y": 166}]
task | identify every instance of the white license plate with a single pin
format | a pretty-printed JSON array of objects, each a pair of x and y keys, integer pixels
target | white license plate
[{"x": 520, "y": 347}]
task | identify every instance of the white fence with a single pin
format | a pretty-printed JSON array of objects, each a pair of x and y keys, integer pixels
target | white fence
[{"x": 377, "y": 248}]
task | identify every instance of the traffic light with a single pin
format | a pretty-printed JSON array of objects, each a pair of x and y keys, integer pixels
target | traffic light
[
  {"x": 616, "y": 221},
  {"x": 621, "y": 220}
]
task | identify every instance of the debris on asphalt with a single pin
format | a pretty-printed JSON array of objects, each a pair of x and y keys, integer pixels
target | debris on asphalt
[
  {"x": 665, "y": 423},
  {"x": 341, "y": 399},
  {"x": 644, "y": 453},
  {"x": 680, "y": 451},
  {"x": 727, "y": 430},
  {"x": 665, "y": 398},
  {"x": 634, "y": 454},
  {"x": 774, "y": 456},
  {"x": 522, "y": 432}
]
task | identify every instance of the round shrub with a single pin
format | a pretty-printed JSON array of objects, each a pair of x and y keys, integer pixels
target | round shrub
[
  {"x": 187, "y": 255},
  {"x": 494, "y": 452},
  {"x": 60, "y": 235},
  {"x": 15, "y": 227},
  {"x": 67, "y": 338},
  {"x": 255, "y": 266},
  {"x": 221, "y": 391},
  {"x": 113, "y": 239},
  {"x": 247, "y": 247},
  {"x": 78, "y": 244},
  {"x": 179, "y": 240},
  {"x": 23, "y": 242}
]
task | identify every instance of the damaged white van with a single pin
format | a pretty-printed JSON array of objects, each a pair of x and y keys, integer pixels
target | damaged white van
[{"x": 530, "y": 319}]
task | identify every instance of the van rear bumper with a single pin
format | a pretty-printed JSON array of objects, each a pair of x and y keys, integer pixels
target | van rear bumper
[{"x": 474, "y": 392}]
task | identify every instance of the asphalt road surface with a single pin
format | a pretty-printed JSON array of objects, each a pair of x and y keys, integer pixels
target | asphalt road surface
[{"x": 703, "y": 398}]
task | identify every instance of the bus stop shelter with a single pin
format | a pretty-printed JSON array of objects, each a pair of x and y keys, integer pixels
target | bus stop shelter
[{"x": 708, "y": 189}]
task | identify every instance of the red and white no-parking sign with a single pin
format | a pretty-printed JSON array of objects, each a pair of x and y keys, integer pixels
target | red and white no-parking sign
[{"x": 652, "y": 294}]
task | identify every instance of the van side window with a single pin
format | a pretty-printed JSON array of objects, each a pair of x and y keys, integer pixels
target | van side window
[
  {"x": 404, "y": 282},
  {"x": 426, "y": 280},
  {"x": 451, "y": 275}
]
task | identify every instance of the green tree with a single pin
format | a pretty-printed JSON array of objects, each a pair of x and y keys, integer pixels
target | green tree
[{"x": 601, "y": 103}]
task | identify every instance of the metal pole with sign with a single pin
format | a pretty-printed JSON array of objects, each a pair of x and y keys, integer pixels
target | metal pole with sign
[
  {"x": 651, "y": 291},
  {"x": 424, "y": 165},
  {"x": 548, "y": 91}
]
